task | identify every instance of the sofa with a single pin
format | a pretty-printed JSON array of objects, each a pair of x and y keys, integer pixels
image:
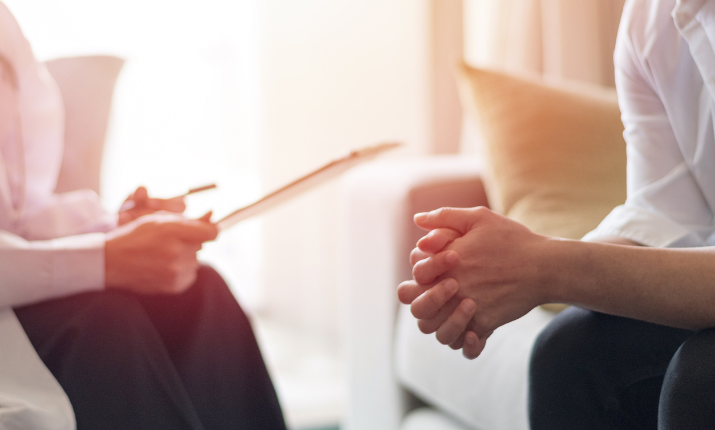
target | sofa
[
  {"x": 553, "y": 158},
  {"x": 395, "y": 371}
]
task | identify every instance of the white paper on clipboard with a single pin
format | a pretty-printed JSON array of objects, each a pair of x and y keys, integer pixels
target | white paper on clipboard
[{"x": 305, "y": 183}]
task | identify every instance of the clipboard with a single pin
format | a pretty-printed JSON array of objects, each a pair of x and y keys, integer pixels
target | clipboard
[{"x": 305, "y": 183}]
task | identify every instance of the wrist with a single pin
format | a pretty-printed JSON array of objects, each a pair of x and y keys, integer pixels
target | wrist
[
  {"x": 559, "y": 269},
  {"x": 113, "y": 273},
  {"x": 110, "y": 274}
]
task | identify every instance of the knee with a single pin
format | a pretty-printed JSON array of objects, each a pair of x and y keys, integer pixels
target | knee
[
  {"x": 109, "y": 305},
  {"x": 207, "y": 274},
  {"x": 210, "y": 290},
  {"x": 567, "y": 339},
  {"x": 109, "y": 316},
  {"x": 690, "y": 378},
  {"x": 209, "y": 284},
  {"x": 693, "y": 360},
  {"x": 557, "y": 375}
]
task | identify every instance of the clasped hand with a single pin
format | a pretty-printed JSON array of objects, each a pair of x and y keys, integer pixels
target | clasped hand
[
  {"x": 472, "y": 273},
  {"x": 153, "y": 250}
]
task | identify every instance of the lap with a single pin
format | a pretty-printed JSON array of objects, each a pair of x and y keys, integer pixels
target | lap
[
  {"x": 114, "y": 316},
  {"x": 593, "y": 370},
  {"x": 103, "y": 350},
  {"x": 154, "y": 355},
  {"x": 688, "y": 396},
  {"x": 118, "y": 312},
  {"x": 582, "y": 336}
]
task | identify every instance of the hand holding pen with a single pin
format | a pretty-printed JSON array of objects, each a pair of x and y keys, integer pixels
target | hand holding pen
[{"x": 139, "y": 204}]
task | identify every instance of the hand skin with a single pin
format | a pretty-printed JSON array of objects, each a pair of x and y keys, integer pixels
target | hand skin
[
  {"x": 507, "y": 270},
  {"x": 156, "y": 253},
  {"x": 499, "y": 290},
  {"x": 442, "y": 313},
  {"x": 139, "y": 204},
  {"x": 435, "y": 303}
]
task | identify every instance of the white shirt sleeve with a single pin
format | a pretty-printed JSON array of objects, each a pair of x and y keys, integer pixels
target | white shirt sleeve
[
  {"x": 32, "y": 271},
  {"x": 665, "y": 206},
  {"x": 58, "y": 251}
]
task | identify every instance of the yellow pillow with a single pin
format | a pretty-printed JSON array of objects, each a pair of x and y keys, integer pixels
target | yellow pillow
[{"x": 555, "y": 155}]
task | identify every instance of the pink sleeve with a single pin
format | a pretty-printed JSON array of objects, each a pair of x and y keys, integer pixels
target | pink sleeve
[
  {"x": 33, "y": 271},
  {"x": 66, "y": 214}
]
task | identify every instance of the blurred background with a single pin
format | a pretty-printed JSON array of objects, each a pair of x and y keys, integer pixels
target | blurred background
[{"x": 250, "y": 94}]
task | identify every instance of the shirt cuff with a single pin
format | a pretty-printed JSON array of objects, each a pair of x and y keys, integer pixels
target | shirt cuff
[
  {"x": 79, "y": 267},
  {"x": 644, "y": 227}
]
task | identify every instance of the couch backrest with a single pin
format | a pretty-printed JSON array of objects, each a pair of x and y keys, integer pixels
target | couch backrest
[{"x": 87, "y": 86}]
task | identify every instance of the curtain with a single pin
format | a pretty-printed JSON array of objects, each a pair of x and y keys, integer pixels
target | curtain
[
  {"x": 555, "y": 39},
  {"x": 571, "y": 39}
]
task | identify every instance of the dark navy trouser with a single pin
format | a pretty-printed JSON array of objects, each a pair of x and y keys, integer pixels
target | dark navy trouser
[
  {"x": 187, "y": 361},
  {"x": 596, "y": 371}
]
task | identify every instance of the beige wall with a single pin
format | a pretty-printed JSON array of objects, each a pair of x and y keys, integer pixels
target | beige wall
[
  {"x": 336, "y": 74},
  {"x": 447, "y": 47}
]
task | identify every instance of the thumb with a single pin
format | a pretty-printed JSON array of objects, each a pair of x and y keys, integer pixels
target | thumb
[
  {"x": 459, "y": 219},
  {"x": 192, "y": 230},
  {"x": 140, "y": 195},
  {"x": 206, "y": 217}
]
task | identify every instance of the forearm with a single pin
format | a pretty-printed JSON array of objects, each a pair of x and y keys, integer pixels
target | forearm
[
  {"x": 674, "y": 287},
  {"x": 33, "y": 271},
  {"x": 66, "y": 214}
]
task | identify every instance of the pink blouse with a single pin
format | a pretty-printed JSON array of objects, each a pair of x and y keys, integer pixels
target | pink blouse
[{"x": 51, "y": 245}]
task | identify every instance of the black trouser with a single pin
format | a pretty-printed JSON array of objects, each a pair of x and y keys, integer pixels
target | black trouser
[
  {"x": 595, "y": 371},
  {"x": 187, "y": 361}
]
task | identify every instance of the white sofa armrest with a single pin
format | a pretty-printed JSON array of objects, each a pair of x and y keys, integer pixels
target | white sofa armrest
[
  {"x": 377, "y": 234},
  {"x": 87, "y": 88}
]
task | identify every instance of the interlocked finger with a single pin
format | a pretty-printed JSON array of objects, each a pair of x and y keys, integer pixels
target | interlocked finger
[
  {"x": 408, "y": 291},
  {"x": 474, "y": 345},
  {"x": 429, "y": 326},
  {"x": 435, "y": 241},
  {"x": 427, "y": 305},
  {"x": 427, "y": 270},
  {"x": 452, "y": 329},
  {"x": 457, "y": 344},
  {"x": 418, "y": 255}
]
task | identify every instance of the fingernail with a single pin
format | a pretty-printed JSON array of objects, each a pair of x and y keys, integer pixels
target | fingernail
[
  {"x": 420, "y": 216},
  {"x": 469, "y": 340},
  {"x": 451, "y": 257},
  {"x": 451, "y": 286}
]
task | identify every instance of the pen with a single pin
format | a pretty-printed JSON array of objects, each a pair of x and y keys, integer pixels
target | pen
[
  {"x": 198, "y": 190},
  {"x": 131, "y": 204}
]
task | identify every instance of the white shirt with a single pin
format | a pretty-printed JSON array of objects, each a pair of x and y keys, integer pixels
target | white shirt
[{"x": 665, "y": 77}]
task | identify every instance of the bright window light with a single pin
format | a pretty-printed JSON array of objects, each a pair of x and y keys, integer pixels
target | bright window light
[{"x": 186, "y": 108}]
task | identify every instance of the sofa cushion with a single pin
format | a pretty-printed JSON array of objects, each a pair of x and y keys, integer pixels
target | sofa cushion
[
  {"x": 555, "y": 154},
  {"x": 487, "y": 393}
]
